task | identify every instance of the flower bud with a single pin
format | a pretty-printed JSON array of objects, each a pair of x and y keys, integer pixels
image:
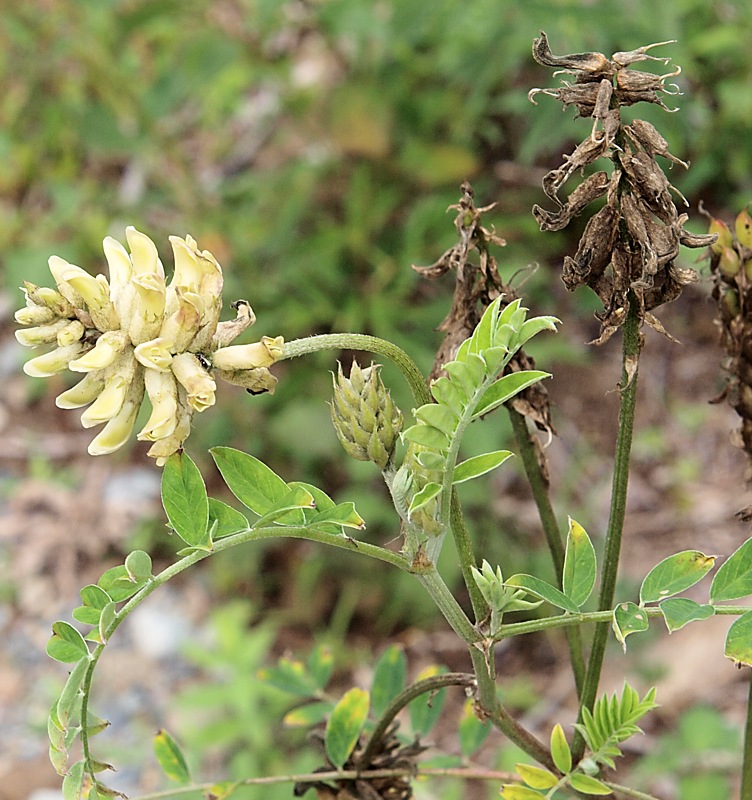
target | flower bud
[
  {"x": 44, "y": 334},
  {"x": 725, "y": 239},
  {"x": 144, "y": 254},
  {"x": 183, "y": 311},
  {"x": 155, "y": 355},
  {"x": 743, "y": 227},
  {"x": 120, "y": 268},
  {"x": 148, "y": 307},
  {"x": 57, "y": 267},
  {"x": 117, "y": 380},
  {"x": 729, "y": 263},
  {"x": 83, "y": 393},
  {"x": 197, "y": 382},
  {"x": 35, "y": 315},
  {"x": 47, "y": 298},
  {"x": 249, "y": 356},
  {"x": 364, "y": 417},
  {"x": 187, "y": 268},
  {"x": 163, "y": 394},
  {"x": 118, "y": 430},
  {"x": 162, "y": 449},
  {"x": 96, "y": 294},
  {"x": 53, "y": 362},
  {"x": 71, "y": 333},
  {"x": 105, "y": 351}
]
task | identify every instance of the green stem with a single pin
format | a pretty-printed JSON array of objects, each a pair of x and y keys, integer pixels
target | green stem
[
  {"x": 407, "y": 695},
  {"x": 746, "y": 787},
  {"x": 361, "y": 341},
  {"x": 450, "y": 608},
  {"x": 498, "y": 716},
  {"x": 466, "y": 558},
  {"x": 631, "y": 353},
  {"x": 539, "y": 488}
]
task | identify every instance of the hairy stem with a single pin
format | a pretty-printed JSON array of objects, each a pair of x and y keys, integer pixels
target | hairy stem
[
  {"x": 361, "y": 341},
  {"x": 628, "y": 386},
  {"x": 426, "y": 686},
  {"x": 539, "y": 488}
]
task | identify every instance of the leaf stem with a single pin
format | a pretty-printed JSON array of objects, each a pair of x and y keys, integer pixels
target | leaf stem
[
  {"x": 361, "y": 341},
  {"x": 407, "y": 695},
  {"x": 746, "y": 786},
  {"x": 539, "y": 488},
  {"x": 628, "y": 392}
]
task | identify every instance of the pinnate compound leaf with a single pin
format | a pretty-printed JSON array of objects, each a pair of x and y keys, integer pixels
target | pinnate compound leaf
[
  {"x": 675, "y": 574},
  {"x": 739, "y": 640},
  {"x": 679, "y": 611},
  {"x": 536, "y": 777},
  {"x": 70, "y": 695},
  {"x": 106, "y": 619},
  {"x": 170, "y": 758},
  {"x": 389, "y": 676},
  {"x": 290, "y": 676},
  {"x": 227, "y": 519},
  {"x": 628, "y": 618},
  {"x": 511, "y": 791},
  {"x": 507, "y": 387},
  {"x": 734, "y": 577},
  {"x": 424, "y": 497},
  {"x": 184, "y": 499},
  {"x": 578, "y": 579},
  {"x": 308, "y": 715},
  {"x": 345, "y": 725},
  {"x": 426, "y": 709},
  {"x": 335, "y": 518},
  {"x": 73, "y": 783},
  {"x": 138, "y": 566},
  {"x": 545, "y": 591},
  {"x": 256, "y": 486},
  {"x": 479, "y": 465},
  {"x": 472, "y": 732},
  {"x": 560, "y": 752},
  {"x": 427, "y": 436},
  {"x": 66, "y": 644},
  {"x": 438, "y": 416},
  {"x": 118, "y": 584},
  {"x": 288, "y": 510},
  {"x": 588, "y": 785}
]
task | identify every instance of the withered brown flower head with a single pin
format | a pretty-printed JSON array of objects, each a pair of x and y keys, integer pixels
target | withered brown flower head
[
  {"x": 731, "y": 266},
  {"x": 631, "y": 243}
]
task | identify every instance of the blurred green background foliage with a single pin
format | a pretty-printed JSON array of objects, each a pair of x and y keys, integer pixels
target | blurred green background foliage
[{"x": 313, "y": 147}]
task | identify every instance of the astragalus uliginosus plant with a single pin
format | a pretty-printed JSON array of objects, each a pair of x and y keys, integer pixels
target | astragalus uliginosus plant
[{"x": 136, "y": 334}]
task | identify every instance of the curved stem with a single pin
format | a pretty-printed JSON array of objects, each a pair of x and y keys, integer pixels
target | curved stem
[
  {"x": 539, "y": 488},
  {"x": 407, "y": 695},
  {"x": 630, "y": 354},
  {"x": 361, "y": 341}
]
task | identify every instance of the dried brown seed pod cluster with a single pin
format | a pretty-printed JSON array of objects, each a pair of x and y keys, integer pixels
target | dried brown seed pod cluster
[
  {"x": 630, "y": 245},
  {"x": 731, "y": 265}
]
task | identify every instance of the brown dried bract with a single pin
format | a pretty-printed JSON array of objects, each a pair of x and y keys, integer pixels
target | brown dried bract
[
  {"x": 477, "y": 285},
  {"x": 630, "y": 245}
]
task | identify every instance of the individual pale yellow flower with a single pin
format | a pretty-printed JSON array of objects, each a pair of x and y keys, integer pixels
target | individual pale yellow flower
[{"x": 136, "y": 333}]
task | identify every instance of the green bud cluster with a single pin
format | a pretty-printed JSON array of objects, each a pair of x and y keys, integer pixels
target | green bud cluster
[
  {"x": 500, "y": 598},
  {"x": 365, "y": 418}
]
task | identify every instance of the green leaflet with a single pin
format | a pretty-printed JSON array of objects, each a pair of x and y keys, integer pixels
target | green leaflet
[
  {"x": 507, "y": 387},
  {"x": 345, "y": 724},
  {"x": 389, "y": 676},
  {"x": 66, "y": 644},
  {"x": 250, "y": 480},
  {"x": 170, "y": 757},
  {"x": 578, "y": 579},
  {"x": 479, "y": 465},
  {"x": 675, "y": 574},
  {"x": 628, "y": 618},
  {"x": 184, "y": 499},
  {"x": 734, "y": 577}
]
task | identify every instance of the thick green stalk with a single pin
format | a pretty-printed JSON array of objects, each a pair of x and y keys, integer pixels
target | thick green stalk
[
  {"x": 746, "y": 787},
  {"x": 539, "y": 488},
  {"x": 361, "y": 341},
  {"x": 631, "y": 354}
]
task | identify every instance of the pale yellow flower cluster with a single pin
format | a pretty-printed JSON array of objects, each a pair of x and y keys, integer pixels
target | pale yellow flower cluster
[{"x": 136, "y": 334}]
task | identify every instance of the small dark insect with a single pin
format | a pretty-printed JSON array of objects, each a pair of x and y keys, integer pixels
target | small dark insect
[{"x": 204, "y": 361}]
